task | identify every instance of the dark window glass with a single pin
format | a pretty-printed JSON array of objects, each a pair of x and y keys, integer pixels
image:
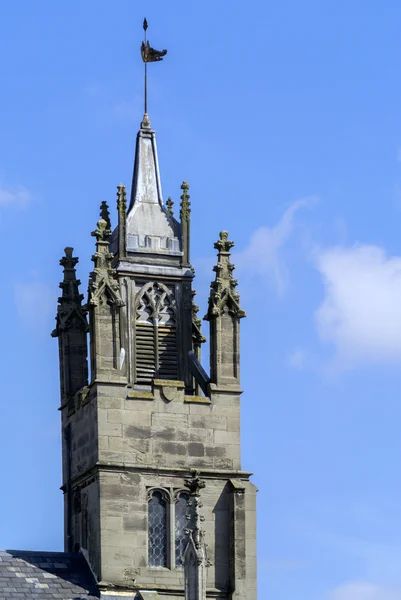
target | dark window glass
[
  {"x": 157, "y": 531},
  {"x": 181, "y": 524}
]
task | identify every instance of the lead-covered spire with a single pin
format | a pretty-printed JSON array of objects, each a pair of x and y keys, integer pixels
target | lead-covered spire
[{"x": 150, "y": 227}]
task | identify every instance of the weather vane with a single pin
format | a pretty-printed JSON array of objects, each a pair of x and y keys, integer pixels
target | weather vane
[{"x": 149, "y": 55}]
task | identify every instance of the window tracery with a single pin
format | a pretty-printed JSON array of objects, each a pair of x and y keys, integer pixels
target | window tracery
[
  {"x": 156, "y": 333},
  {"x": 181, "y": 524},
  {"x": 157, "y": 530}
]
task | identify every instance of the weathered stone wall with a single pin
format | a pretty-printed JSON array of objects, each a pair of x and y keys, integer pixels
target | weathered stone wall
[
  {"x": 153, "y": 439},
  {"x": 124, "y": 528},
  {"x": 150, "y": 429},
  {"x": 84, "y": 435}
]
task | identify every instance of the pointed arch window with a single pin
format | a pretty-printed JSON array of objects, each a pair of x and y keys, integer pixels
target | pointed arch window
[
  {"x": 181, "y": 525},
  {"x": 155, "y": 334},
  {"x": 157, "y": 530}
]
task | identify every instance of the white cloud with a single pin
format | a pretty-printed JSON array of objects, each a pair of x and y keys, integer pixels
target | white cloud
[
  {"x": 261, "y": 258},
  {"x": 361, "y": 311},
  {"x": 298, "y": 359},
  {"x": 36, "y": 303},
  {"x": 14, "y": 196},
  {"x": 363, "y": 590}
]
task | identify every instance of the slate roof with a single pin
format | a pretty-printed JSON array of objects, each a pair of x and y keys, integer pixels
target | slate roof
[{"x": 45, "y": 576}]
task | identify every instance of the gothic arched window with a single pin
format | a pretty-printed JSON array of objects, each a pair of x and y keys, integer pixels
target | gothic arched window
[
  {"x": 181, "y": 524},
  {"x": 157, "y": 530},
  {"x": 156, "y": 334}
]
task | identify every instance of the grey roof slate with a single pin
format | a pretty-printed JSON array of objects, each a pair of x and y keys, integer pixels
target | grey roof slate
[{"x": 45, "y": 576}]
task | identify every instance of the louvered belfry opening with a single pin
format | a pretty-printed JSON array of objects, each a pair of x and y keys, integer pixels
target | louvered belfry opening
[{"x": 155, "y": 334}]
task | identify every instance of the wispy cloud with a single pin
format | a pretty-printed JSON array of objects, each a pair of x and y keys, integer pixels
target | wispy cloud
[
  {"x": 298, "y": 359},
  {"x": 35, "y": 303},
  {"x": 374, "y": 557},
  {"x": 262, "y": 256},
  {"x": 17, "y": 196},
  {"x": 364, "y": 590},
  {"x": 360, "y": 314}
]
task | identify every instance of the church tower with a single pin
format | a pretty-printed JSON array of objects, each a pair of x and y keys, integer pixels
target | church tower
[{"x": 154, "y": 492}]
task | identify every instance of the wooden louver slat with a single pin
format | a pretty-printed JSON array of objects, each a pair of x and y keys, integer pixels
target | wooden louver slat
[
  {"x": 145, "y": 353},
  {"x": 167, "y": 352},
  {"x": 149, "y": 365}
]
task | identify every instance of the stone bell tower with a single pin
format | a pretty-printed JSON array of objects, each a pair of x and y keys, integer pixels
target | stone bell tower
[{"x": 152, "y": 480}]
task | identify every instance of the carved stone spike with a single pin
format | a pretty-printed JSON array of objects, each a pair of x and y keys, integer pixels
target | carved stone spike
[
  {"x": 103, "y": 280},
  {"x": 170, "y": 205},
  {"x": 185, "y": 211},
  {"x": 105, "y": 214},
  {"x": 222, "y": 291},
  {"x": 121, "y": 198},
  {"x": 70, "y": 313}
]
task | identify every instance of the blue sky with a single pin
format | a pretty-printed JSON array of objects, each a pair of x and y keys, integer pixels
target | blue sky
[{"x": 285, "y": 119}]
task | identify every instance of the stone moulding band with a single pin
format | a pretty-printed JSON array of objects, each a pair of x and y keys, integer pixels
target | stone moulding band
[{"x": 227, "y": 475}]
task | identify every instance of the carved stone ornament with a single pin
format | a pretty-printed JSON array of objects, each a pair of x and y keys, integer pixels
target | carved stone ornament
[
  {"x": 223, "y": 295},
  {"x": 185, "y": 211},
  {"x": 169, "y": 393},
  {"x": 103, "y": 284},
  {"x": 155, "y": 303},
  {"x": 197, "y": 336},
  {"x": 70, "y": 312},
  {"x": 195, "y": 558}
]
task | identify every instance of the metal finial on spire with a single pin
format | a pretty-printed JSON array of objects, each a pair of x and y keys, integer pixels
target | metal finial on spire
[{"x": 149, "y": 54}]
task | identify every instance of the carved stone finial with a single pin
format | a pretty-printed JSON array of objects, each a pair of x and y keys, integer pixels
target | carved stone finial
[
  {"x": 222, "y": 291},
  {"x": 104, "y": 213},
  {"x": 185, "y": 211},
  {"x": 103, "y": 279},
  {"x": 102, "y": 233},
  {"x": 145, "y": 124},
  {"x": 170, "y": 205},
  {"x": 197, "y": 336},
  {"x": 121, "y": 198},
  {"x": 195, "y": 484},
  {"x": 70, "y": 312}
]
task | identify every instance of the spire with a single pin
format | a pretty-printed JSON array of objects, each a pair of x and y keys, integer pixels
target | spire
[
  {"x": 70, "y": 312},
  {"x": 222, "y": 290},
  {"x": 150, "y": 226}
]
